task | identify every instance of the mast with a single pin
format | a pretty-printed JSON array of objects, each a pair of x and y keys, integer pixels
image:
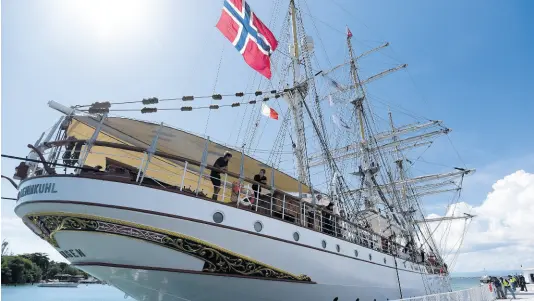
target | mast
[
  {"x": 294, "y": 99},
  {"x": 358, "y": 102},
  {"x": 367, "y": 169}
]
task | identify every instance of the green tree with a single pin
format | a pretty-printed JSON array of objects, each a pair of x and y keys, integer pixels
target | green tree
[
  {"x": 53, "y": 271},
  {"x": 33, "y": 268},
  {"x": 40, "y": 259},
  {"x": 6, "y": 273}
]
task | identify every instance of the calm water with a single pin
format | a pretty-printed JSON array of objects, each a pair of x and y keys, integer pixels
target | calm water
[{"x": 97, "y": 292}]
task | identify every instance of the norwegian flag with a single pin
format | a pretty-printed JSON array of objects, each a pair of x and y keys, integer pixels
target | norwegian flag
[{"x": 248, "y": 34}]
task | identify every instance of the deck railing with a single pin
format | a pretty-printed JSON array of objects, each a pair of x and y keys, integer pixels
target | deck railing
[
  {"x": 478, "y": 293},
  {"x": 193, "y": 177}
]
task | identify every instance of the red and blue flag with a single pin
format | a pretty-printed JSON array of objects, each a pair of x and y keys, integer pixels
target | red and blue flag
[{"x": 248, "y": 34}]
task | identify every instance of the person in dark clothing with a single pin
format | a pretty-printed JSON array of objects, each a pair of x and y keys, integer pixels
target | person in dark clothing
[
  {"x": 523, "y": 284},
  {"x": 327, "y": 219},
  {"x": 255, "y": 187},
  {"x": 422, "y": 256},
  {"x": 220, "y": 163},
  {"x": 498, "y": 288}
]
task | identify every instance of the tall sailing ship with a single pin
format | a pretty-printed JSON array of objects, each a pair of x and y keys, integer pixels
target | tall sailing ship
[{"x": 165, "y": 214}]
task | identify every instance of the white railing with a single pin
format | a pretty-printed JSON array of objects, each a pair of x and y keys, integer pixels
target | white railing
[{"x": 478, "y": 293}]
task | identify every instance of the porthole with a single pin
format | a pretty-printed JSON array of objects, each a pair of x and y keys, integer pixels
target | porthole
[
  {"x": 338, "y": 248},
  {"x": 218, "y": 217},
  {"x": 258, "y": 226},
  {"x": 296, "y": 236},
  {"x": 384, "y": 260},
  {"x": 324, "y": 244},
  {"x": 356, "y": 253},
  {"x": 370, "y": 257}
]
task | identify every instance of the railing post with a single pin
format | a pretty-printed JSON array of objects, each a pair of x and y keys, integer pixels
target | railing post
[
  {"x": 241, "y": 173},
  {"x": 321, "y": 221},
  {"x": 49, "y": 136},
  {"x": 141, "y": 167},
  {"x": 224, "y": 186},
  {"x": 90, "y": 142},
  {"x": 38, "y": 144},
  {"x": 304, "y": 220},
  {"x": 335, "y": 225},
  {"x": 183, "y": 176},
  {"x": 283, "y": 206},
  {"x": 203, "y": 163},
  {"x": 258, "y": 196},
  {"x": 148, "y": 155},
  {"x": 272, "y": 189}
]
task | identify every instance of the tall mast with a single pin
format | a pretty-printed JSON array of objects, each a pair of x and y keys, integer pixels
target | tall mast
[
  {"x": 295, "y": 99},
  {"x": 367, "y": 169},
  {"x": 296, "y": 69},
  {"x": 398, "y": 161},
  {"x": 356, "y": 81}
]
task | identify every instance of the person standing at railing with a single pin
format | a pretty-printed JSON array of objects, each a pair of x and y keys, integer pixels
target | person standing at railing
[
  {"x": 222, "y": 164},
  {"x": 261, "y": 178},
  {"x": 327, "y": 220}
]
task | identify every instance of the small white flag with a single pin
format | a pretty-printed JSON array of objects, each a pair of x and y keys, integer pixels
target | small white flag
[{"x": 267, "y": 111}]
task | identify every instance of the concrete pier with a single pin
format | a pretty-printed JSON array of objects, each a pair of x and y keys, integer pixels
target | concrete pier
[{"x": 524, "y": 295}]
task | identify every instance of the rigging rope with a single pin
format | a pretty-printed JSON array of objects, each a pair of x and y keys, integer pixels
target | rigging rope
[{"x": 215, "y": 87}]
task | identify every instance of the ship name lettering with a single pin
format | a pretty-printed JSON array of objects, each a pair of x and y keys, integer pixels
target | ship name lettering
[
  {"x": 72, "y": 253},
  {"x": 37, "y": 189}
]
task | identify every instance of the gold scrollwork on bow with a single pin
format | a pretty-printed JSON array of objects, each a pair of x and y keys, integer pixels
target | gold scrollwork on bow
[{"x": 216, "y": 259}]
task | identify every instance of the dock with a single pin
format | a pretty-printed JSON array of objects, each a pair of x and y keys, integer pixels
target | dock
[{"x": 524, "y": 295}]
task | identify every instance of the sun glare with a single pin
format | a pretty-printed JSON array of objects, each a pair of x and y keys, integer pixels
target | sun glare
[{"x": 111, "y": 19}]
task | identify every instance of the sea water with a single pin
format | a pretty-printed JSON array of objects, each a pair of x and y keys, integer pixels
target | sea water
[{"x": 99, "y": 292}]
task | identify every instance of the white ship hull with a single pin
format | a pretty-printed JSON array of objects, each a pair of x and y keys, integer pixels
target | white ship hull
[{"x": 136, "y": 238}]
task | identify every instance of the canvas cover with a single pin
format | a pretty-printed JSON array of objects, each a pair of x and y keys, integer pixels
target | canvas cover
[{"x": 171, "y": 141}]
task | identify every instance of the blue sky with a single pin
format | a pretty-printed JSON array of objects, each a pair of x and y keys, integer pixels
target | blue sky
[{"x": 470, "y": 64}]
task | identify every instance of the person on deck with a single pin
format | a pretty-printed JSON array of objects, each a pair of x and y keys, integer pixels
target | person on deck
[
  {"x": 327, "y": 219},
  {"x": 220, "y": 163},
  {"x": 255, "y": 187}
]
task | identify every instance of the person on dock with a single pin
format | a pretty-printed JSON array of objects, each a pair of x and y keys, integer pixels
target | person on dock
[
  {"x": 513, "y": 282},
  {"x": 222, "y": 164},
  {"x": 507, "y": 287},
  {"x": 498, "y": 288},
  {"x": 523, "y": 284}
]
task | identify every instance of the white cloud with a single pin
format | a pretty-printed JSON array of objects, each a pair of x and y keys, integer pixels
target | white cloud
[{"x": 499, "y": 237}]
